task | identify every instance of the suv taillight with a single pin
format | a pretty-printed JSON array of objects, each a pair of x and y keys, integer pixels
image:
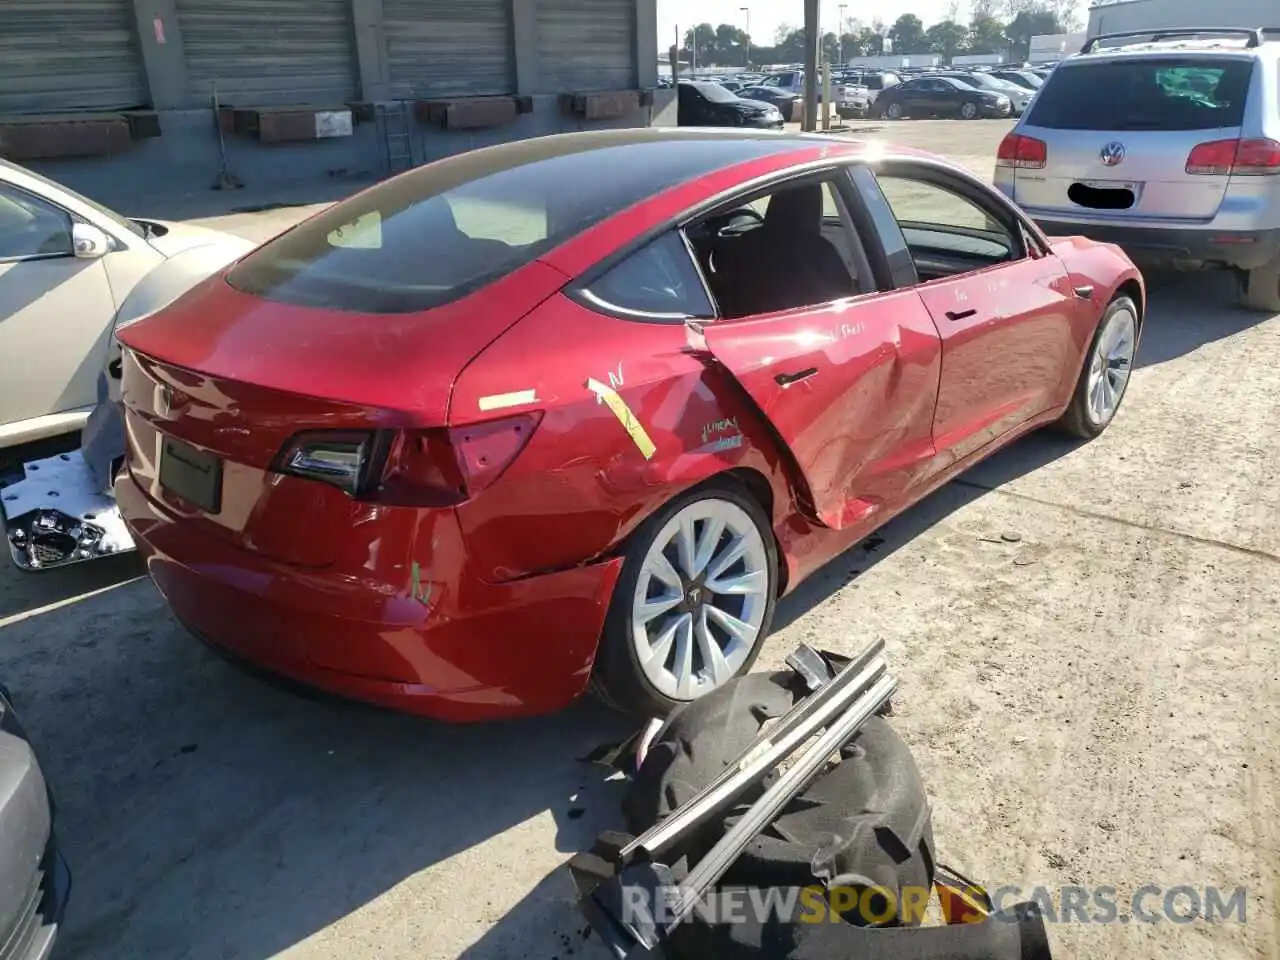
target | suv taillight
[
  {"x": 422, "y": 468},
  {"x": 1023, "y": 152},
  {"x": 1235, "y": 157}
]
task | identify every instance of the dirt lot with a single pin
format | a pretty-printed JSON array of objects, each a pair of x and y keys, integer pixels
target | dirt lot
[{"x": 1095, "y": 703}]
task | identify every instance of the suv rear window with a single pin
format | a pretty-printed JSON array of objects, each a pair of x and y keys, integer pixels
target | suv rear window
[
  {"x": 1144, "y": 94},
  {"x": 444, "y": 230}
]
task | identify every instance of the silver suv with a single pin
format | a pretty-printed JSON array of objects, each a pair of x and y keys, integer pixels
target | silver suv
[{"x": 1169, "y": 147}]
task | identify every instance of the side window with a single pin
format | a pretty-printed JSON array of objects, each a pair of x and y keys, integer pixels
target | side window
[
  {"x": 784, "y": 251},
  {"x": 947, "y": 232},
  {"x": 31, "y": 227},
  {"x": 658, "y": 281}
]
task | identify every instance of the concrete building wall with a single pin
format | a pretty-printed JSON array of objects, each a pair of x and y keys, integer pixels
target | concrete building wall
[{"x": 186, "y": 159}]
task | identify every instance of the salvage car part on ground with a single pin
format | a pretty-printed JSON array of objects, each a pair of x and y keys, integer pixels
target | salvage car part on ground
[{"x": 738, "y": 792}]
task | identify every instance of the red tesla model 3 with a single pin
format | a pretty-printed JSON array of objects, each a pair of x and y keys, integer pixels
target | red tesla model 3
[{"x": 576, "y": 411}]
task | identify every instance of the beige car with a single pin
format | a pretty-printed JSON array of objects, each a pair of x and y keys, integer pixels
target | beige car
[
  {"x": 67, "y": 266},
  {"x": 72, "y": 271}
]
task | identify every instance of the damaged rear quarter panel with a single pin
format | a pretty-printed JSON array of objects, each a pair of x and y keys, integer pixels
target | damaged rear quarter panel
[{"x": 584, "y": 483}]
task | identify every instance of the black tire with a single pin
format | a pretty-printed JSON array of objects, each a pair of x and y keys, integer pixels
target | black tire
[
  {"x": 617, "y": 677},
  {"x": 863, "y": 823},
  {"x": 969, "y": 110},
  {"x": 893, "y": 111},
  {"x": 1260, "y": 287},
  {"x": 1077, "y": 421}
]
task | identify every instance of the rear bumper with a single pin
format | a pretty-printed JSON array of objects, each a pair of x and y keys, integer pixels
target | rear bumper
[
  {"x": 446, "y": 645},
  {"x": 1245, "y": 249}
]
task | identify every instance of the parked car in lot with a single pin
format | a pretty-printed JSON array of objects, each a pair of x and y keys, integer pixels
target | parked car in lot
[
  {"x": 1178, "y": 162},
  {"x": 701, "y": 103},
  {"x": 66, "y": 266},
  {"x": 848, "y": 100},
  {"x": 1018, "y": 96},
  {"x": 500, "y": 427},
  {"x": 35, "y": 883},
  {"x": 932, "y": 96},
  {"x": 784, "y": 100},
  {"x": 873, "y": 81},
  {"x": 1027, "y": 79}
]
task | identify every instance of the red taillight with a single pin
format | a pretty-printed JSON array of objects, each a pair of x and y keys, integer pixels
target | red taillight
[
  {"x": 425, "y": 468},
  {"x": 1235, "y": 157},
  {"x": 1023, "y": 152}
]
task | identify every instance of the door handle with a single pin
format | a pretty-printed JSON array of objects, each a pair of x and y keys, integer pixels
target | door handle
[
  {"x": 961, "y": 314},
  {"x": 786, "y": 379},
  {"x": 1083, "y": 293}
]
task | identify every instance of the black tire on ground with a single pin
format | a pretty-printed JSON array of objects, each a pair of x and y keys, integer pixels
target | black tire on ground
[
  {"x": 969, "y": 110},
  {"x": 893, "y": 111},
  {"x": 617, "y": 677},
  {"x": 1260, "y": 288},
  {"x": 1076, "y": 420},
  {"x": 865, "y": 823}
]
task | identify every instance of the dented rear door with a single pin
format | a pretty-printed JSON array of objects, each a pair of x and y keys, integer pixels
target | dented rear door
[{"x": 850, "y": 389}]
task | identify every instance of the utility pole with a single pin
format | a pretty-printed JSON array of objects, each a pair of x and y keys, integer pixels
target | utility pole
[
  {"x": 693, "y": 52},
  {"x": 746, "y": 59},
  {"x": 812, "y": 43},
  {"x": 840, "y": 32}
]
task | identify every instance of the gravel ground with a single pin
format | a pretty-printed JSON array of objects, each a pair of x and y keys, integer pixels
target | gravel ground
[{"x": 1096, "y": 702}]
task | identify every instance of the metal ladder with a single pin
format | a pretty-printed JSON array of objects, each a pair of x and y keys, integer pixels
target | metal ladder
[{"x": 397, "y": 138}]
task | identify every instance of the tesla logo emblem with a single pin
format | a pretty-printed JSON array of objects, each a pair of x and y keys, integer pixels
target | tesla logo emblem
[
  {"x": 695, "y": 594},
  {"x": 1112, "y": 154},
  {"x": 164, "y": 402}
]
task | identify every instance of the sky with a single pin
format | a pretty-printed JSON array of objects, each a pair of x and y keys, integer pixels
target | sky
[{"x": 768, "y": 15}]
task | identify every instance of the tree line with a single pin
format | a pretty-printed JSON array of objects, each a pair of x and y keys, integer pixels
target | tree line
[{"x": 993, "y": 27}]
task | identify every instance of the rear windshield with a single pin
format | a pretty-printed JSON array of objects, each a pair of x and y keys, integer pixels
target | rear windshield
[
  {"x": 1144, "y": 94},
  {"x": 431, "y": 236}
]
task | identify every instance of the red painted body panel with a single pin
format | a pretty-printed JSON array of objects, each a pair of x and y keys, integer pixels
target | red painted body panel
[
  {"x": 494, "y": 606},
  {"x": 858, "y": 423},
  {"x": 1004, "y": 362}
]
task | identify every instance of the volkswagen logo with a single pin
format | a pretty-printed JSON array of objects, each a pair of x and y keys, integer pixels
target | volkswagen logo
[{"x": 1112, "y": 154}]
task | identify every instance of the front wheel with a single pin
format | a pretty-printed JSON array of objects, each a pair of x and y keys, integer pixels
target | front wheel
[
  {"x": 893, "y": 111},
  {"x": 693, "y": 603},
  {"x": 1105, "y": 376},
  {"x": 968, "y": 111}
]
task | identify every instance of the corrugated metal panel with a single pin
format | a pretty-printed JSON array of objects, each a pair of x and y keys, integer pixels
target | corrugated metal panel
[
  {"x": 448, "y": 48},
  {"x": 68, "y": 55},
  {"x": 264, "y": 52},
  {"x": 586, "y": 45}
]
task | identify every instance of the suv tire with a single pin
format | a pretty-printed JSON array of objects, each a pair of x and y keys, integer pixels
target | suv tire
[{"x": 1260, "y": 287}]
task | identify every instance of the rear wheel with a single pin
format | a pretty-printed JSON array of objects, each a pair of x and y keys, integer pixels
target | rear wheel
[
  {"x": 968, "y": 111},
  {"x": 693, "y": 603},
  {"x": 1260, "y": 288},
  {"x": 893, "y": 111},
  {"x": 1105, "y": 376}
]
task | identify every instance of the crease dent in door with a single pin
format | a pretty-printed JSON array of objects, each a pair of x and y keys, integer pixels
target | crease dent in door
[{"x": 857, "y": 432}]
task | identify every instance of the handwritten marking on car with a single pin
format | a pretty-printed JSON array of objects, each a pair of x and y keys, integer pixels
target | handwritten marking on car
[
  {"x": 724, "y": 443},
  {"x": 609, "y": 396},
  {"x": 500, "y": 401},
  {"x": 850, "y": 330},
  {"x": 719, "y": 426},
  {"x": 616, "y": 381},
  {"x": 417, "y": 589}
]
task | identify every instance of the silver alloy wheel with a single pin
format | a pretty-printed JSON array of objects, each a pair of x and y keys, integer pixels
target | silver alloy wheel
[
  {"x": 700, "y": 599},
  {"x": 893, "y": 111},
  {"x": 969, "y": 110},
  {"x": 1111, "y": 364}
]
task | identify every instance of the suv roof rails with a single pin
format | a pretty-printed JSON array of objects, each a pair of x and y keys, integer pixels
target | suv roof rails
[{"x": 1256, "y": 36}]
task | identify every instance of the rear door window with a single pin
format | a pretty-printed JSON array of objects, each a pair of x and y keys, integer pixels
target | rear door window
[{"x": 1145, "y": 94}]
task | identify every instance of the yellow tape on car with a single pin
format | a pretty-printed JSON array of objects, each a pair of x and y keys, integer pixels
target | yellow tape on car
[{"x": 610, "y": 398}]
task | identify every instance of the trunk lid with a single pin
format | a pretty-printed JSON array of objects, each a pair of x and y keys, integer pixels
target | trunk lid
[{"x": 223, "y": 380}]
